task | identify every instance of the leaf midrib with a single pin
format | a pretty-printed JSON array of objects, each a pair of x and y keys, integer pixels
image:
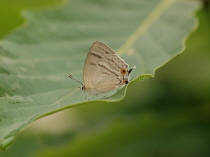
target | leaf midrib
[{"x": 145, "y": 24}]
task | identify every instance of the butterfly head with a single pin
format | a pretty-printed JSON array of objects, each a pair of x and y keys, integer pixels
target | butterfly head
[{"x": 83, "y": 88}]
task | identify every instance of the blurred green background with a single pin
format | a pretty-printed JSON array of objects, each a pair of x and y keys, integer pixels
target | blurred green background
[{"x": 164, "y": 116}]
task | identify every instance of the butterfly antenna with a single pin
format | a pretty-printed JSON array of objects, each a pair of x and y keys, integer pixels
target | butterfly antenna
[{"x": 70, "y": 76}]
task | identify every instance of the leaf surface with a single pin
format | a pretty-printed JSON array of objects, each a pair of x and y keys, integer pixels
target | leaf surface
[{"x": 36, "y": 59}]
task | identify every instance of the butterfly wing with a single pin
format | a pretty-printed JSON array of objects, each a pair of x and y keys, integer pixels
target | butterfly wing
[
  {"x": 97, "y": 51},
  {"x": 110, "y": 74}
]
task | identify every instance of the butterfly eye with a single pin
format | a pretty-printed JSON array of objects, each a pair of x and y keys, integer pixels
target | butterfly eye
[
  {"x": 125, "y": 81},
  {"x": 123, "y": 71}
]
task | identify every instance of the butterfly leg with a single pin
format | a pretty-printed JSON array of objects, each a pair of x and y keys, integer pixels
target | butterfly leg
[
  {"x": 104, "y": 96},
  {"x": 87, "y": 97}
]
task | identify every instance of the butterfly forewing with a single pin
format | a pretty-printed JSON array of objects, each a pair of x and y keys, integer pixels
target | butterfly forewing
[{"x": 97, "y": 51}]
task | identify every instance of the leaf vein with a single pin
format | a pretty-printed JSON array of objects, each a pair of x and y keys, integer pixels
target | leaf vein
[{"x": 151, "y": 18}]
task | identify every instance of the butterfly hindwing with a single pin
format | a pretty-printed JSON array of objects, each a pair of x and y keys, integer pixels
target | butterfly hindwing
[{"x": 111, "y": 76}]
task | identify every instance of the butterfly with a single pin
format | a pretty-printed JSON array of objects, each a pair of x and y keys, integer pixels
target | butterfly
[{"x": 103, "y": 71}]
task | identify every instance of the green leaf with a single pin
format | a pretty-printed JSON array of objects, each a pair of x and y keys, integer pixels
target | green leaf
[
  {"x": 36, "y": 60},
  {"x": 10, "y": 12}
]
